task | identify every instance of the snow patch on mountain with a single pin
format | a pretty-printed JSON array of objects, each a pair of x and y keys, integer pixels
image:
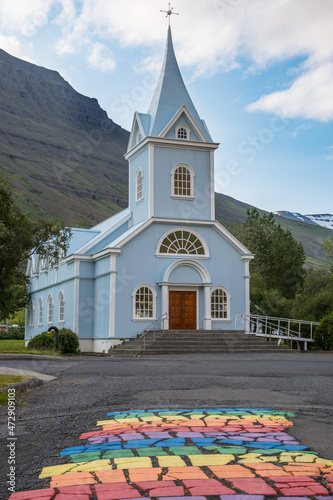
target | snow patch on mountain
[{"x": 324, "y": 220}]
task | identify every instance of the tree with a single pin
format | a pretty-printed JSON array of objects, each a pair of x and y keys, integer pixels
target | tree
[
  {"x": 279, "y": 260},
  {"x": 328, "y": 246},
  {"x": 314, "y": 299},
  {"x": 20, "y": 237}
]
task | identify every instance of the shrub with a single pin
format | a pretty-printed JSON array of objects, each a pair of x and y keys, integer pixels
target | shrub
[
  {"x": 43, "y": 341},
  {"x": 68, "y": 341},
  {"x": 323, "y": 335},
  {"x": 12, "y": 334}
]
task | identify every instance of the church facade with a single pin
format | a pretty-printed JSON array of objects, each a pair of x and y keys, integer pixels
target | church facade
[{"x": 165, "y": 258}]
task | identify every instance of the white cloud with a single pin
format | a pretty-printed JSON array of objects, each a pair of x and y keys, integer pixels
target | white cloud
[
  {"x": 310, "y": 96},
  {"x": 101, "y": 58},
  {"x": 210, "y": 36}
]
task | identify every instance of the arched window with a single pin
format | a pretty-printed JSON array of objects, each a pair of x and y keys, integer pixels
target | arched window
[
  {"x": 61, "y": 308},
  {"x": 31, "y": 313},
  {"x": 182, "y": 241},
  {"x": 182, "y": 181},
  {"x": 49, "y": 310},
  {"x": 220, "y": 303},
  {"x": 182, "y": 132},
  {"x": 40, "y": 312},
  {"x": 139, "y": 184},
  {"x": 144, "y": 303}
]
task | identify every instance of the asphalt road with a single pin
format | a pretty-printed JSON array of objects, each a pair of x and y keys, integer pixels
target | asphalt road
[{"x": 50, "y": 417}]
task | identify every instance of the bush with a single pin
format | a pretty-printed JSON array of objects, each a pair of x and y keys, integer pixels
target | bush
[
  {"x": 323, "y": 335},
  {"x": 12, "y": 334},
  {"x": 43, "y": 341},
  {"x": 68, "y": 341}
]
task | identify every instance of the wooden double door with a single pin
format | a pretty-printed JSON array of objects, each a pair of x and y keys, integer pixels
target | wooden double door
[{"x": 182, "y": 310}]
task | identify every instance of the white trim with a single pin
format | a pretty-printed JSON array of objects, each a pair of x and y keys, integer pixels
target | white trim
[
  {"x": 151, "y": 208},
  {"x": 212, "y": 186},
  {"x": 193, "y": 124},
  {"x": 174, "y": 143},
  {"x": 122, "y": 240},
  {"x": 226, "y": 291},
  {"x": 76, "y": 296},
  {"x": 185, "y": 256},
  {"x": 192, "y": 175},
  {"x": 112, "y": 309},
  {"x": 191, "y": 263},
  {"x": 136, "y": 119},
  {"x": 186, "y": 128},
  {"x": 152, "y": 289},
  {"x": 102, "y": 234}
]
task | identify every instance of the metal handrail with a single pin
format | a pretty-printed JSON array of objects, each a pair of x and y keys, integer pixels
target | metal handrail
[
  {"x": 152, "y": 327},
  {"x": 272, "y": 327}
]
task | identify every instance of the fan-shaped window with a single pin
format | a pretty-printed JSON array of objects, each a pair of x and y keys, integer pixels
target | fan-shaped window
[
  {"x": 49, "y": 310},
  {"x": 40, "y": 312},
  {"x": 61, "y": 308},
  {"x": 144, "y": 302},
  {"x": 139, "y": 184},
  {"x": 182, "y": 181},
  {"x": 220, "y": 299},
  {"x": 31, "y": 313},
  {"x": 182, "y": 132},
  {"x": 182, "y": 241}
]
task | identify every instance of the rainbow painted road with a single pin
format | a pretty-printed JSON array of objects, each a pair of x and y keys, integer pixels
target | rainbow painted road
[{"x": 213, "y": 454}]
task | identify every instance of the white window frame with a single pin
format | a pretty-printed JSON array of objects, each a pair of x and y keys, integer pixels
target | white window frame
[
  {"x": 178, "y": 129},
  {"x": 154, "y": 296},
  {"x": 228, "y": 296},
  {"x": 138, "y": 172},
  {"x": 50, "y": 310},
  {"x": 61, "y": 314},
  {"x": 173, "y": 179},
  {"x": 31, "y": 314},
  {"x": 170, "y": 255},
  {"x": 40, "y": 311}
]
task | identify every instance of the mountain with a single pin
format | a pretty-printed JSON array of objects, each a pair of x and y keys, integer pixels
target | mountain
[
  {"x": 324, "y": 220},
  {"x": 230, "y": 211},
  {"x": 62, "y": 152},
  {"x": 65, "y": 156}
]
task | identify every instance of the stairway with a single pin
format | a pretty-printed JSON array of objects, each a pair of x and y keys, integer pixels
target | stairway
[{"x": 195, "y": 341}]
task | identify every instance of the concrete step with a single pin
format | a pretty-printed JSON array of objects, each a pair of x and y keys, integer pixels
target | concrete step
[{"x": 197, "y": 341}]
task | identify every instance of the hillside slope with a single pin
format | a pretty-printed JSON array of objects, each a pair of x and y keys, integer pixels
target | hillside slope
[
  {"x": 64, "y": 155},
  {"x": 230, "y": 211}
]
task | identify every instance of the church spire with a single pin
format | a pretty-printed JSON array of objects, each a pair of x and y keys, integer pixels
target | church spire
[{"x": 170, "y": 95}]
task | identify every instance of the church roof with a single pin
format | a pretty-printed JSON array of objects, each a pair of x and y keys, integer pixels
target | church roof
[{"x": 170, "y": 95}]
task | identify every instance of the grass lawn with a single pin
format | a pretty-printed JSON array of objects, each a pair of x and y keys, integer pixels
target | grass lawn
[
  {"x": 17, "y": 346},
  {"x": 9, "y": 381}
]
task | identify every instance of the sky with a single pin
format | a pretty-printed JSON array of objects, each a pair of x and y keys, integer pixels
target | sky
[{"x": 259, "y": 72}]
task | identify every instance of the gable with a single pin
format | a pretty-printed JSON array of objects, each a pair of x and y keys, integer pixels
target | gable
[
  {"x": 184, "y": 116},
  {"x": 182, "y": 122},
  {"x": 139, "y": 130}
]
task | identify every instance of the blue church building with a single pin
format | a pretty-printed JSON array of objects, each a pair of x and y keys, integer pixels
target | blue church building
[{"x": 165, "y": 255}]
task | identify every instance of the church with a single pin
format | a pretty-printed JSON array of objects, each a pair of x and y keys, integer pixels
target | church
[{"x": 164, "y": 259}]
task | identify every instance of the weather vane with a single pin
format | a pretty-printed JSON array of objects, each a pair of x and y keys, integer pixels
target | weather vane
[{"x": 169, "y": 13}]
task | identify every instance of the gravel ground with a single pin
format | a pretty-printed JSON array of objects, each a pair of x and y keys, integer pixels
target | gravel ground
[{"x": 51, "y": 417}]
